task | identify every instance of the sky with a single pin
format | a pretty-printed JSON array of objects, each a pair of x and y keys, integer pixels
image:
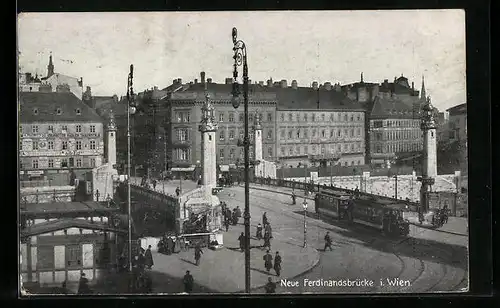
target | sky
[{"x": 306, "y": 46}]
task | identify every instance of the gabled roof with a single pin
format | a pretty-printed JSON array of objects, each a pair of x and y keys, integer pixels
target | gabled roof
[
  {"x": 307, "y": 99},
  {"x": 61, "y": 224},
  {"x": 393, "y": 108},
  {"x": 38, "y": 107}
]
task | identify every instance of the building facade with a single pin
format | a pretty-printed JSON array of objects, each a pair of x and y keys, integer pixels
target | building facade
[
  {"x": 457, "y": 125},
  {"x": 58, "y": 133}
]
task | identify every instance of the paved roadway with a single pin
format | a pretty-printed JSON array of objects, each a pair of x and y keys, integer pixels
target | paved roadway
[{"x": 427, "y": 261}]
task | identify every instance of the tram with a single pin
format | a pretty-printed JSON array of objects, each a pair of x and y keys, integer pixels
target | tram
[{"x": 386, "y": 216}]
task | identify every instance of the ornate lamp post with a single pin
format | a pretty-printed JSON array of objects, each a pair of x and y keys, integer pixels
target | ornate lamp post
[
  {"x": 240, "y": 58},
  {"x": 304, "y": 206},
  {"x": 130, "y": 110}
]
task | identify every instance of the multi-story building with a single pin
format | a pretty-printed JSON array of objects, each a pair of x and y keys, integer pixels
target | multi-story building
[
  {"x": 394, "y": 130},
  {"x": 186, "y": 106},
  {"x": 58, "y": 133},
  {"x": 319, "y": 123},
  {"x": 457, "y": 125}
]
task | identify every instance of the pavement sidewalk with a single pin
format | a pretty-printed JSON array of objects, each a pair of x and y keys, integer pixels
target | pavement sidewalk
[
  {"x": 224, "y": 270},
  {"x": 281, "y": 190},
  {"x": 455, "y": 225}
]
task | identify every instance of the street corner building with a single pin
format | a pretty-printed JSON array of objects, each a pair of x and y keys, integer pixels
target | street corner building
[{"x": 62, "y": 240}]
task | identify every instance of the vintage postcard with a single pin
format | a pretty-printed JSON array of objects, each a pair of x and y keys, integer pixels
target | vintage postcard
[{"x": 229, "y": 152}]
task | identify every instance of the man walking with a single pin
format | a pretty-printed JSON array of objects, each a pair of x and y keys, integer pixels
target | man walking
[
  {"x": 241, "y": 239},
  {"x": 328, "y": 241},
  {"x": 277, "y": 263},
  {"x": 264, "y": 219},
  {"x": 197, "y": 254},
  {"x": 259, "y": 232},
  {"x": 177, "y": 191},
  {"x": 188, "y": 282},
  {"x": 294, "y": 197},
  {"x": 149, "y": 258},
  {"x": 267, "y": 241},
  {"x": 268, "y": 261}
]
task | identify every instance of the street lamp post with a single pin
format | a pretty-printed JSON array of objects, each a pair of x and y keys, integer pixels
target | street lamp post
[
  {"x": 304, "y": 205},
  {"x": 130, "y": 110},
  {"x": 240, "y": 58}
]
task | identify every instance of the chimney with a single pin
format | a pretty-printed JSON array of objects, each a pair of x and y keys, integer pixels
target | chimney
[
  {"x": 283, "y": 83},
  {"x": 155, "y": 88},
  {"x": 209, "y": 80},
  {"x": 261, "y": 83},
  {"x": 269, "y": 82},
  {"x": 315, "y": 85},
  {"x": 174, "y": 81},
  {"x": 386, "y": 81},
  {"x": 249, "y": 81},
  {"x": 202, "y": 76},
  {"x": 179, "y": 80},
  {"x": 328, "y": 86},
  {"x": 294, "y": 84},
  {"x": 412, "y": 86},
  {"x": 195, "y": 80},
  {"x": 28, "y": 77},
  {"x": 229, "y": 80},
  {"x": 191, "y": 83},
  {"x": 337, "y": 87}
]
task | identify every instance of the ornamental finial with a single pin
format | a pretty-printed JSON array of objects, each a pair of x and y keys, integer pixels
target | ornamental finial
[{"x": 111, "y": 123}]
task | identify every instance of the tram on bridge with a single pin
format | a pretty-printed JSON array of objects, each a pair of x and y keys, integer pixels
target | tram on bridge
[{"x": 363, "y": 209}]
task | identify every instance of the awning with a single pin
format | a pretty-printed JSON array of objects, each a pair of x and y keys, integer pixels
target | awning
[
  {"x": 188, "y": 169},
  {"x": 224, "y": 168},
  {"x": 378, "y": 161}
]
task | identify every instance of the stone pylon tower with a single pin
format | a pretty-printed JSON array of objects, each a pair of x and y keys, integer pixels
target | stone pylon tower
[
  {"x": 50, "y": 67},
  {"x": 429, "y": 167},
  {"x": 258, "y": 146},
  {"x": 208, "y": 127},
  {"x": 111, "y": 140}
]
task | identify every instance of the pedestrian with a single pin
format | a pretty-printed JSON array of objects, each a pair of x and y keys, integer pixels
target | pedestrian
[
  {"x": 226, "y": 224},
  {"x": 293, "y": 198},
  {"x": 259, "y": 231},
  {"x": 277, "y": 263},
  {"x": 177, "y": 191},
  {"x": 238, "y": 212},
  {"x": 268, "y": 261},
  {"x": 141, "y": 260},
  {"x": 188, "y": 282},
  {"x": 197, "y": 254},
  {"x": 328, "y": 241},
  {"x": 235, "y": 217},
  {"x": 149, "y": 258},
  {"x": 267, "y": 241},
  {"x": 270, "y": 286},
  {"x": 264, "y": 219},
  {"x": 241, "y": 239},
  {"x": 154, "y": 184},
  {"x": 83, "y": 285}
]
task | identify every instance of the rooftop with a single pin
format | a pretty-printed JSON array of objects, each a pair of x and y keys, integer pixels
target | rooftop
[
  {"x": 60, "y": 224},
  {"x": 64, "y": 207},
  {"x": 459, "y": 109},
  {"x": 38, "y": 107},
  {"x": 393, "y": 108}
]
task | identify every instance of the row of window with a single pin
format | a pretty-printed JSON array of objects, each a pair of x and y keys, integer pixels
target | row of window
[
  {"x": 232, "y": 134},
  {"x": 78, "y": 111},
  {"x": 396, "y": 123},
  {"x": 334, "y": 117},
  {"x": 73, "y": 256},
  {"x": 37, "y": 145},
  {"x": 398, "y": 147},
  {"x": 397, "y": 135},
  {"x": 65, "y": 163},
  {"x": 35, "y": 129},
  {"x": 241, "y": 154},
  {"x": 185, "y": 117},
  {"x": 304, "y": 150},
  {"x": 299, "y": 133}
]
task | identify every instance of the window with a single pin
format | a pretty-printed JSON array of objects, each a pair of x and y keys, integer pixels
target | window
[
  {"x": 35, "y": 163},
  {"x": 58, "y": 111},
  {"x": 92, "y": 128},
  {"x": 269, "y": 117},
  {"x": 78, "y": 162},
  {"x": 352, "y": 132},
  {"x": 305, "y": 117},
  {"x": 221, "y": 154},
  {"x": 290, "y": 117},
  {"x": 282, "y": 117},
  {"x": 270, "y": 152},
  {"x": 270, "y": 134},
  {"x": 359, "y": 119},
  {"x": 92, "y": 144},
  {"x": 78, "y": 111},
  {"x": 282, "y": 150},
  {"x": 345, "y": 119},
  {"x": 250, "y": 118},
  {"x": 231, "y": 154},
  {"x": 345, "y": 147},
  {"x": 297, "y": 117},
  {"x": 92, "y": 162},
  {"x": 282, "y": 134},
  {"x": 65, "y": 145},
  {"x": 50, "y": 128},
  {"x": 313, "y": 116},
  {"x": 314, "y": 133},
  {"x": 221, "y": 135},
  {"x": 352, "y": 118},
  {"x": 51, "y": 163},
  {"x": 34, "y": 129},
  {"x": 73, "y": 255},
  {"x": 352, "y": 147},
  {"x": 50, "y": 145},
  {"x": 323, "y": 133},
  {"x": 186, "y": 117},
  {"x": 183, "y": 154},
  {"x": 339, "y": 148},
  {"x": 359, "y": 132},
  {"x": 346, "y": 133},
  {"x": 313, "y": 149},
  {"x": 64, "y": 128},
  {"x": 35, "y": 111},
  {"x": 339, "y": 132},
  {"x": 359, "y": 162},
  {"x": 182, "y": 134},
  {"x": 290, "y": 134},
  {"x": 332, "y": 133},
  {"x": 231, "y": 134},
  {"x": 35, "y": 145},
  {"x": 331, "y": 117},
  {"x": 231, "y": 117},
  {"x": 306, "y": 149},
  {"x": 71, "y": 162},
  {"x": 323, "y": 150},
  {"x": 323, "y": 117},
  {"x": 242, "y": 133},
  {"x": 78, "y": 128},
  {"x": 261, "y": 117},
  {"x": 221, "y": 117},
  {"x": 45, "y": 257},
  {"x": 290, "y": 151},
  {"x": 78, "y": 145},
  {"x": 241, "y": 117},
  {"x": 298, "y": 133},
  {"x": 305, "y": 133},
  {"x": 297, "y": 150}
]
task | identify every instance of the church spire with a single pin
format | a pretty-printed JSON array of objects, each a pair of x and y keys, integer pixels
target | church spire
[
  {"x": 422, "y": 92},
  {"x": 362, "y": 77},
  {"x": 50, "y": 67}
]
